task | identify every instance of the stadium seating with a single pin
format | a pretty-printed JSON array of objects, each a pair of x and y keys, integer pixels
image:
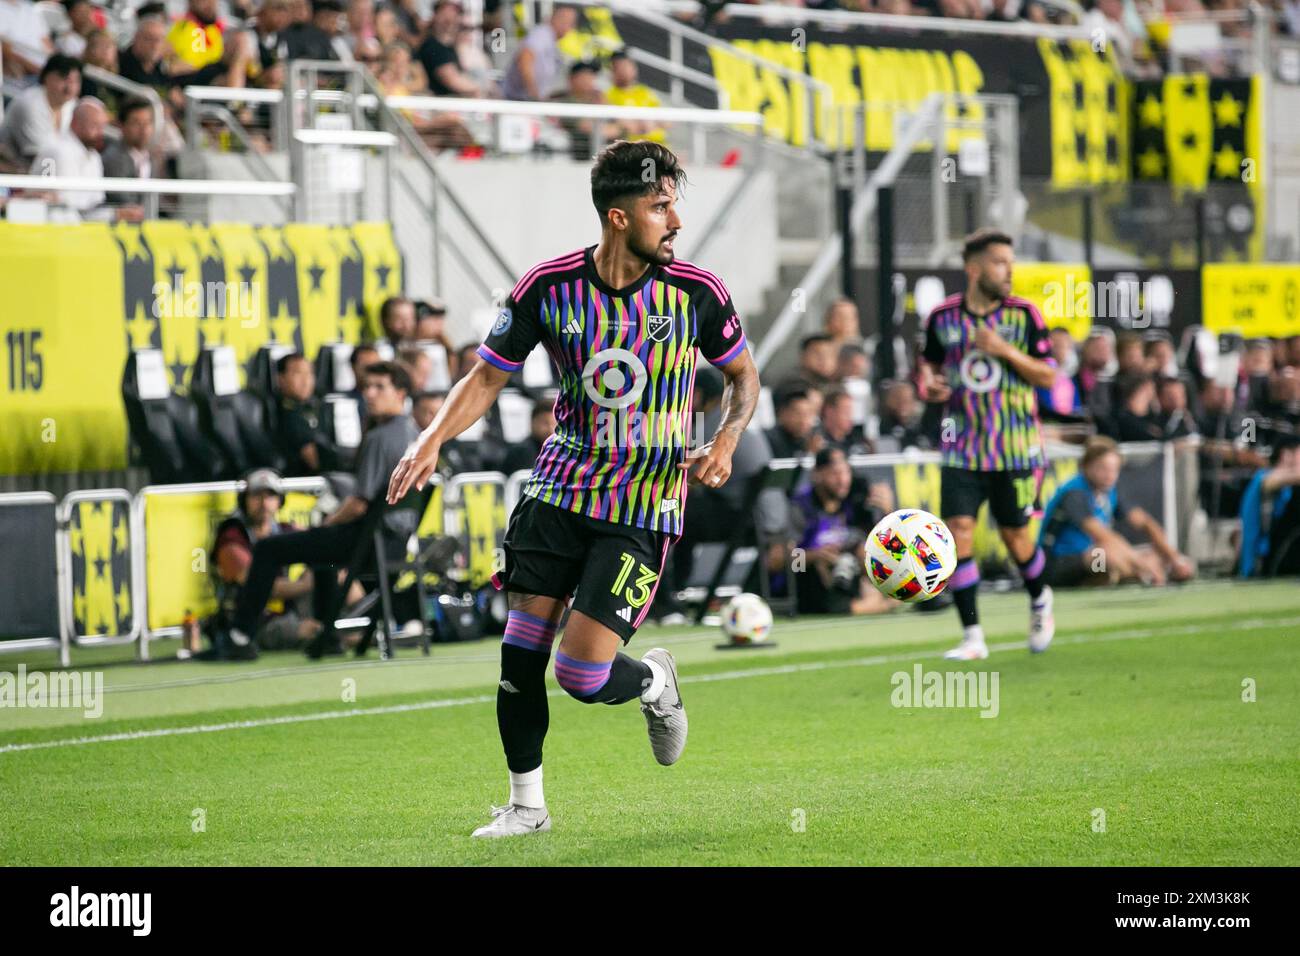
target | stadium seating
[
  {"x": 234, "y": 420},
  {"x": 164, "y": 425}
]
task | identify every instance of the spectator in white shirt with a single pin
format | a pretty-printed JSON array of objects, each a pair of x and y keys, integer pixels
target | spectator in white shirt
[
  {"x": 76, "y": 154},
  {"x": 536, "y": 70},
  {"x": 24, "y": 38},
  {"x": 37, "y": 114}
]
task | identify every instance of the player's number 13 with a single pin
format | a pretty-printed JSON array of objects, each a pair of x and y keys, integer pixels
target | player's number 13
[{"x": 639, "y": 592}]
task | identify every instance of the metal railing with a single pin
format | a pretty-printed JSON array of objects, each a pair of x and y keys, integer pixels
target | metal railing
[
  {"x": 918, "y": 126},
  {"x": 150, "y": 188},
  {"x": 889, "y": 21}
]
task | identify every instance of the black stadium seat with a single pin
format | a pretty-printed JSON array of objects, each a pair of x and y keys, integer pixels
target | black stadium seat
[
  {"x": 232, "y": 419},
  {"x": 263, "y": 383},
  {"x": 334, "y": 369},
  {"x": 165, "y": 426}
]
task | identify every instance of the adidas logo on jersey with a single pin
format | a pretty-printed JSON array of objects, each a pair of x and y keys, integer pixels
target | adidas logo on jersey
[
  {"x": 625, "y": 613},
  {"x": 573, "y": 328}
]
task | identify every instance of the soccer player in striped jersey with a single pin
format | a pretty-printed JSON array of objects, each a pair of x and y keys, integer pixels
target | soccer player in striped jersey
[
  {"x": 985, "y": 352},
  {"x": 622, "y": 321}
]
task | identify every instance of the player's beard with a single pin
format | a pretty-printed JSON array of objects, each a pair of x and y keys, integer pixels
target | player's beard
[
  {"x": 656, "y": 256},
  {"x": 993, "y": 290}
]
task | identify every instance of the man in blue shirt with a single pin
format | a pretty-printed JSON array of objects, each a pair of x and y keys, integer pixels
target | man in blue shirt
[
  {"x": 1270, "y": 515},
  {"x": 1078, "y": 533}
]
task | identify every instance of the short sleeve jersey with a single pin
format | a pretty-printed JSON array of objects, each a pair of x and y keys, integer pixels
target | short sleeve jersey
[
  {"x": 993, "y": 411},
  {"x": 626, "y": 362}
]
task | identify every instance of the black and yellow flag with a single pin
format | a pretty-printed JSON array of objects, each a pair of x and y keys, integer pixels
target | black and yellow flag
[
  {"x": 1194, "y": 132},
  {"x": 1089, "y": 98}
]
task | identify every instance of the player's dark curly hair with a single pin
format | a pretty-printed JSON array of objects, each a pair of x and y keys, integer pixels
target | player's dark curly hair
[{"x": 626, "y": 170}]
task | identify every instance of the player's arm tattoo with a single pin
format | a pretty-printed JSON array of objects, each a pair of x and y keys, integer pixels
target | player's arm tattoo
[{"x": 742, "y": 395}]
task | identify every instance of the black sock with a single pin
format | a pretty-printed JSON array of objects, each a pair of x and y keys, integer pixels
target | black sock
[
  {"x": 1032, "y": 573},
  {"x": 522, "y": 712},
  {"x": 628, "y": 677},
  {"x": 964, "y": 586}
]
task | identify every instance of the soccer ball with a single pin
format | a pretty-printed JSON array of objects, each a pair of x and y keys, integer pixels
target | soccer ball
[
  {"x": 746, "y": 619},
  {"x": 910, "y": 555}
]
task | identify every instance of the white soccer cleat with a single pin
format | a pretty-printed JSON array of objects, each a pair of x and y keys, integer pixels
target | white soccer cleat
[
  {"x": 665, "y": 717},
  {"x": 1042, "y": 626},
  {"x": 514, "y": 820},
  {"x": 968, "y": 650}
]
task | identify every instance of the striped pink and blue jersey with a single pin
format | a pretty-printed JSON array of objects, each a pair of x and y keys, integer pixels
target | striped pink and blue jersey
[
  {"x": 994, "y": 411},
  {"x": 626, "y": 363}
]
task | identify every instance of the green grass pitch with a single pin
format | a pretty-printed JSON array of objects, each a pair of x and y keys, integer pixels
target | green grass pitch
[{"x": 1134, "y": 718}]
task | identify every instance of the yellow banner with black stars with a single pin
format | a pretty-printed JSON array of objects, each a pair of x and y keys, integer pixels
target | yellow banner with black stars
[
  {"x": 1197, "y": 132},
  {"x": 99, "y": 541},
  {"x": 80, "y": 297},
  {"x": 1089, "y": 110}
]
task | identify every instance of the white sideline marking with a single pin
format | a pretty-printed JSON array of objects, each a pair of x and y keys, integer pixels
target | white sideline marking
[{"x": 1250, "y": 624}]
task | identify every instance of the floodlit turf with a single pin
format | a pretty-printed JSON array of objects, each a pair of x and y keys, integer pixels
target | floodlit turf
[{"x": 796, "y": 754}]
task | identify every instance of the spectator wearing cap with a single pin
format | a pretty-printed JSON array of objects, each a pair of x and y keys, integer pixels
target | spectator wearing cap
[
  {"x": 536, "y": 69},
  {"x": 625, "y": 89},
  {"x": 300, "y": 434},
  {"x": 1078, "y": 534},
  {"x": 81, "y": 23},
  {"x": 282, "y": 623},
  {"x": 437, "y": 54},
  {"x": 389, "y": 432},
  {"x": 25, "y": 42},
  {"x": 829, "y": 523},
  {"x": 38, "y": 114}
]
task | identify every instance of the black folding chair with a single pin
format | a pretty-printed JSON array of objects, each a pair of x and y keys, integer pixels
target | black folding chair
[{"x": 372, "y": 563}]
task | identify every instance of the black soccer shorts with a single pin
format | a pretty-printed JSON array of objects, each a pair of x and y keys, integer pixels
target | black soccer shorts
[
  {"x": 1010, "y": 494},
  {"x": 612, "y": 570}
]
